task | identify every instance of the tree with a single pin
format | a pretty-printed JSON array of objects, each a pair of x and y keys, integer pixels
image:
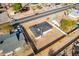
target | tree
[
  {"x": 17, "y": 7},
  {"x": 67, "y": 24}
]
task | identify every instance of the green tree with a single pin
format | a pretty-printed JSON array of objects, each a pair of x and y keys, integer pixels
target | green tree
[
  {"x": 67, "y": 24},
  {"x": 17, "y": 7}
]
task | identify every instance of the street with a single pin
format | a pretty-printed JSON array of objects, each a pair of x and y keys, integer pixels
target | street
[{"x": 34, "y": 17}]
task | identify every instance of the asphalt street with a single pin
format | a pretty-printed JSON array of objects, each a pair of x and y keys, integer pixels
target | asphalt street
[{"x": 39, "y": 15}]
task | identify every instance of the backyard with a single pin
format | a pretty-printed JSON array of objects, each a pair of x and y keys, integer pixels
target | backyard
[{"x": 67, "y": 24}]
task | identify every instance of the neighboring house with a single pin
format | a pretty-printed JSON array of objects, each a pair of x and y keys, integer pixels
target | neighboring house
[
  {"x": 26, "y": 11},
  {"x": 23, "y": 14},
  {"x": 74, "y": 14}
]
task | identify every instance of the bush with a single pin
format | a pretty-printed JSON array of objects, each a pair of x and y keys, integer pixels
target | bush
[
  {"x": 17, "y": 7},
  {"x": 68, "y": 24}
]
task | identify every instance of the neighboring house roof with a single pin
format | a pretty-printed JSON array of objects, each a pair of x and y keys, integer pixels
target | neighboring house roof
[
  {"x": 74, "y": 13},
  {"x": 4, "y": 17},
  {"x": 22, "y": 15}
]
